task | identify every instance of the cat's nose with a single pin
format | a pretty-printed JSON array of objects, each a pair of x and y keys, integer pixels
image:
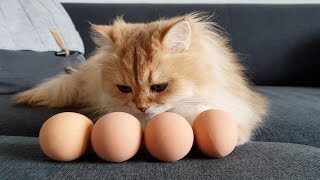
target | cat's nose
[{"x": 142, "y": 109}]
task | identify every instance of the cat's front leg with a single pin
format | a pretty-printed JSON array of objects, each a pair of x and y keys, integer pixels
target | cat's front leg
[
  {"x": 60, "y": 91},
  {"x": 245, "y": 132}
]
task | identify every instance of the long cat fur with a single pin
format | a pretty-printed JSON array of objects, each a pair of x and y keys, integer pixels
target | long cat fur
[{"x": 186, "y": 52}]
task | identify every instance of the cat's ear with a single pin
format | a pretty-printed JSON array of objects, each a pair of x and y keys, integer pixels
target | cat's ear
[
  {"x": 101, "y": 34},
  {"x": 178, "y": 38}
]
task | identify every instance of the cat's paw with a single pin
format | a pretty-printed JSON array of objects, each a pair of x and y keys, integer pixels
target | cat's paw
[
  {"x": 242, "y": 140},
  {"x": 244, "y": 135},
  {"x": 30, "y": 98}
]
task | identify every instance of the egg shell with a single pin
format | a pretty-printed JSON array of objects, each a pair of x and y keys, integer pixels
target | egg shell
[
  {"x": 116, "y": 137},
  {"x": 65, "y": 136},
  {"x": 168, "y": 137},
  {"x": 216, "y": 133}
]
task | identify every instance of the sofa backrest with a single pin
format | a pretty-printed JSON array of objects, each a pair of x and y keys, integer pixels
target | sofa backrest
[{"x": 278, "y": 44}]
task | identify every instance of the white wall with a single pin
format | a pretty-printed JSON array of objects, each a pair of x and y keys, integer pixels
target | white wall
[{"x": 200, "y": 1}]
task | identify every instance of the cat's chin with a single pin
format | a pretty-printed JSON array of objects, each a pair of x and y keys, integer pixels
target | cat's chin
[
  {"x": 158, "y": 110},
  {"x": 146, "y": 116}
]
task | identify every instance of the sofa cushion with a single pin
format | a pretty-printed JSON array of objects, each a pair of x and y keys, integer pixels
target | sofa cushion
[
  {"x": 23, "y": 121},
  {"x": 21, "y": 158},
  {"x": 294, "y": 115},
  {"x": 20, "y": 70}
]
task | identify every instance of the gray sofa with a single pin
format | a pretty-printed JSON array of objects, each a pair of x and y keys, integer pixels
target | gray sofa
[{"x": 278, "y": 44}]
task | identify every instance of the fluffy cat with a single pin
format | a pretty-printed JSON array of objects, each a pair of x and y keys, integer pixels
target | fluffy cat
[{"x": 183, "y": 65}]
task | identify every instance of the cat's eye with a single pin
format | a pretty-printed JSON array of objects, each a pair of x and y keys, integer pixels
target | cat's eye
[
  {"x": 159, "y": 87},
  {"x": 124, "y": 89}
]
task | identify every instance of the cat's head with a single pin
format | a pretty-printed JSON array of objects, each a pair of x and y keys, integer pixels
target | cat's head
[{"x": 153, "y": 67}]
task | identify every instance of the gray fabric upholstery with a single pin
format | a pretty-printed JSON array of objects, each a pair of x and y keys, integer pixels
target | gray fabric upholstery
[
  {"x": 22, "y": 121},
  {"x": 21, "y": 158},
  {"x": 293, "y": 117},
  {"x": 20, "y": 70}
]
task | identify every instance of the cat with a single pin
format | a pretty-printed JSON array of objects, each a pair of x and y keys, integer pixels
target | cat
[{"x": 181, "y": 64}]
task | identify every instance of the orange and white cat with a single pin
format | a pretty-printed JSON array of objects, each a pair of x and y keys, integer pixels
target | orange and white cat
[{"x": 182, "y": 65}]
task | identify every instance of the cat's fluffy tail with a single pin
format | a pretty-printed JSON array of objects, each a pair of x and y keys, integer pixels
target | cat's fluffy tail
[{"x": 60, "y": 91}]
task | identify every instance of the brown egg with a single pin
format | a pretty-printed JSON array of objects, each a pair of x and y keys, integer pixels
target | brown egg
[
  {"x": 65, "y": 136},
  {"x": 168, "y": 137},
  {"x": 216, "y": 133},
  {"x": 116, "y": 137}
]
